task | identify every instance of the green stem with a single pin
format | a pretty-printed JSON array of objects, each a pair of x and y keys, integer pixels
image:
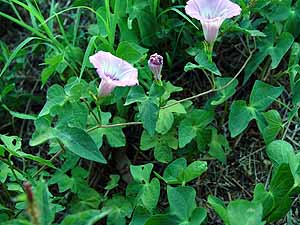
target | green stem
[
  {"x": 159, "y": 82},
  {"x": 214, "y": 89},
  {"x": 15, "y": 168},
  {"x": 54, "y": 157},
  {"x": 13, "y": 172},
  {"x": 91, "y": 110},
  {"x": 209, "y": 50}
]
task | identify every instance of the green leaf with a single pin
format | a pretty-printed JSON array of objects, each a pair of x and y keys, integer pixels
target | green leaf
[
  {"x": 282, "y": 181},
  {"x": 131, "y": 52},
  {"x": 88, "y": 217},
  {"x": 218, "y": 146},
  {"x": 163, "y": 153},
  {"x": 63, "y": 181},
  {"x": 296, "y": 93},
  {"x": 166, "y": 117},
  {"x": 147, "y": 192},
  {"x": 198, "y": 217},
  {"x": 193, "y": 122},
  {"x": 16, "y": 222},
  {"x": 149, "y": 115},
  {"x": 114, "y": 135},
  {"x": 52, "y": 64},
  {"x": 268, "y": 47},
  {"x": 282, "y": 208},
  {"x": 253, "y": 33},
  {"x": 18, "y": 115},
  {"x": 136, "y": 94},
  {"x": 43, "y": 131},
  {"x": 148, "y": 142},
  {"x": 165, "y": 121},
  {"x": 4, "y": 172},
  {"x": 283, "y": 45},
  {"x": 265, "y": 198},
  {"x": 162, "y": 219},
  {"x": 156, "y": 90},
  {"x": 13, "y": 146},
  {"x": 275, "y": 125},
  {"x": 183, "y": 205},
  {"x": 146, "y": 21},
  {"x": 281, "y": 184},
  {"x": 73, "y": 115},
  {"x": 55, "y": 97},
  {"x": 140, "y": 216},
  {"x": 219, "y": 207},
  {"x": 141, "y": 173},
  {"x": 294, "y": 163},
  {"x": 77, "y": 88},
  {"x": 279, "y": 11},
  {"x": 120, "y": 208},
  {"x": 169, "y": 89},
  {"x": 239, "y": 117},
  {"x": 42, "y": 195},
  {"x": 263, "y": 95},
  {"x": 178, "y": 172},
  {"x": 245, "y": 212},
  {"x": 279, "y": 152},
  {"x": 162, "y": 144},
  {"x": 203, "y": 63},
  {"x": 194, "y": 170},
  {"x": 182, "y": 201},
  {"x": 226, "y": 93},
  {"x": 174, "y": 170},
  {"x": 114, "y": 180},
  {"x": 79, "y": 142}
]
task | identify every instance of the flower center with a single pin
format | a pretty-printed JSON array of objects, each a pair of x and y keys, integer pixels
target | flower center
[{"x": 112, "y": 76}]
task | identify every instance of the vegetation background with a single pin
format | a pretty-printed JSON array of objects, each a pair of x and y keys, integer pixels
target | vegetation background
[{"x": 228, "y": 156}]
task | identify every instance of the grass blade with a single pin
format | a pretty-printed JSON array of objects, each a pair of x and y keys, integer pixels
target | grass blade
[
  {"x": 15, "y": 52},
  {"x": 87, "y": 54}
]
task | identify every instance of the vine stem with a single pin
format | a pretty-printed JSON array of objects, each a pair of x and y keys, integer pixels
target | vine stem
[
  {"x": 10, "y": 164},
  {"x": 214, "y": 89},
  {"x": 57, "y": 154},
  {"x": 91, "y": 110}
]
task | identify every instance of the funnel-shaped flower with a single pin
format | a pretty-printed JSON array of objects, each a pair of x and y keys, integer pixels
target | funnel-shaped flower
[
  {"x": 113, "y": 72},
  {"x": 155, "y": 64},
  {"x": 211, "y": 14}
]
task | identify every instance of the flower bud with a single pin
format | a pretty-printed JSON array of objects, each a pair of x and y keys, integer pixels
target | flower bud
[{"x": 155, "y": 64}]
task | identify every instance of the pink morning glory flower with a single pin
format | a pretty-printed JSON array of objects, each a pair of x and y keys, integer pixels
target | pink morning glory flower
[
  {"x": 113, "y": 71},
  {"x": 211, "y": 14}
]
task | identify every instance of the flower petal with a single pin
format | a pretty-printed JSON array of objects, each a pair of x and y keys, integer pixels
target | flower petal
[
  {"x": 113, "y": 72},
  {"x": 211, "y": 29},
  {"x": 211, "y": 9},
  {"x": 106, "y": 87},
  {"x": 211, "y": 14},
  {"x": 111, "y": 66}
]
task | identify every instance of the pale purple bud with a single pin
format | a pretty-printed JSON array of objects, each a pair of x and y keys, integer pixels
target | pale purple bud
[
  {"x": 113, "y": 71},
  {"x": 155, "y": 64},
  {"x": 211, "y": 14}
]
